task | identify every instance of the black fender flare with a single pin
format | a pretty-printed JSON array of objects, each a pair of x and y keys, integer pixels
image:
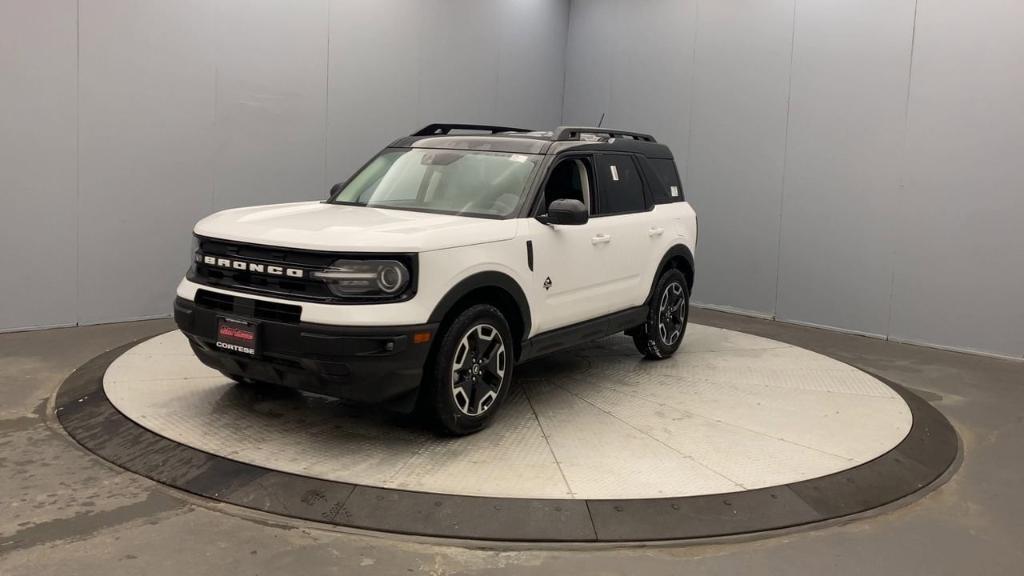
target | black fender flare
[
  {"x": 678, "y": 250},
  {"x": 488, "y": 279}
]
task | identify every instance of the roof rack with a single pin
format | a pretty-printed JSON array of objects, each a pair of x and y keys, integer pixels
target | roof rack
[
  {"x": 573, "y": 133},
  {"x": 441, "y": 129}
]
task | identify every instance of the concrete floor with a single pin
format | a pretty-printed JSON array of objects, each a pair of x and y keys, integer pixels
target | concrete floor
[{"x": 66, "y": 511}]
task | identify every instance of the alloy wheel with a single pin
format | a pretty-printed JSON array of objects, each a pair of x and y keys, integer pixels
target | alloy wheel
[
  {"x": 478, "y": 369},
  {"x": 671, "y": 313}
]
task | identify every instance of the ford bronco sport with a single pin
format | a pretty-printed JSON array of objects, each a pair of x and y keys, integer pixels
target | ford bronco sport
[{"x": 451, "y": 256}]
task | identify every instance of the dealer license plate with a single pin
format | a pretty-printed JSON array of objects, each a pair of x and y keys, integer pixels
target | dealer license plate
[{"x": 236, "y": 335}]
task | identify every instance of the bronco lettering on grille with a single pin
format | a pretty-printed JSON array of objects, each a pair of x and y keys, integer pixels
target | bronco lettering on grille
[{"x": 253, "y": 267}]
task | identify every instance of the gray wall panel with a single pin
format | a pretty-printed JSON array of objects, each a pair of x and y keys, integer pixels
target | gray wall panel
[
  {"x": 589, "y": 52},
  {"x": 894, "y": 216},
  {"x": 845, "y": 145},
  {"x": 531, "y": 63},
  {"x": 373, "y": 80},
  {"x": 494, "y": 62},
  {"x": 960, "y": 259},
  {"x": 147, "y": 150},
  {"x": 185, "y": 108},
  {"x": 447, "y": 61},
  {"x": 632, "y": 62},
  {"x": 37, "y": 163},
  {"x": 825, "y": 196},
  {"x": 652, "y": 71},
  {"x": 734, "y": 179},
  {"x": 270, "y": 96}
]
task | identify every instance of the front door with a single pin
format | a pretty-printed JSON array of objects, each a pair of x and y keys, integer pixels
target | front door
[{"x": 569, "y": 276}]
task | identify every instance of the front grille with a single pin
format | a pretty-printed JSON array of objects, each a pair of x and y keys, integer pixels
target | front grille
[
  {"x": 248, "y": 307},
  {"x": 305, "y": 288}
]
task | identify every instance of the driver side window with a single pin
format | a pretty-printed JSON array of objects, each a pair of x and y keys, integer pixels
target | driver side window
[{"x": 570, "y": 179}]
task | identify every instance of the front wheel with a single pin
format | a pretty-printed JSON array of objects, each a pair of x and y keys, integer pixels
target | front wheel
[
  {"x": 471, "y": 371},
  {"x": 660, "y": 336}
]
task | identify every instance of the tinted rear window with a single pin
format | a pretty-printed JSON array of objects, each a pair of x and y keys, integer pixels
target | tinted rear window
[
  {"x": 620, "y": 189},
  {"x": 668, "y": 188}
]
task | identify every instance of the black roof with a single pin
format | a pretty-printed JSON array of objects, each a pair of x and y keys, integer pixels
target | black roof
[{"x": 523, "y": 141}]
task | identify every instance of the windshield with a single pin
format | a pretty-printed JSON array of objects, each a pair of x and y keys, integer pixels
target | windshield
[{"x": 464, "y": 182}]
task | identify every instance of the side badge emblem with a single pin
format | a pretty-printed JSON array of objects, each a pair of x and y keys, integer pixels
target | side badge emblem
[{"x": 547, "y": 283}]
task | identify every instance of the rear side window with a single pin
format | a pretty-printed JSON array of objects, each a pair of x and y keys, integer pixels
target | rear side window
[
  {"x": 667, "y": 187},
  {"x": 620, "y": 189}
]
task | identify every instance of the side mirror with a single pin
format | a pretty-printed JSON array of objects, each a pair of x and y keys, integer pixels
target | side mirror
[
  {"x": 566, "y": 212},
  {"x": 334, "y": 190}
]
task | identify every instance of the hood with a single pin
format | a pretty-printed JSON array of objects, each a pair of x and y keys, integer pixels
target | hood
[{"x": 340, "y": 228}]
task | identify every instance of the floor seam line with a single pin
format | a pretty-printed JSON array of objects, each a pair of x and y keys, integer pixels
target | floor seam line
[
  {"x": 740, "y": 388},
  {"x": 551, "y": 450},
  {"x": 401, "y": 467},
  {"x": 698, "y": 415},
  {"x": 798, "y": 389},
  {"x": 684, "y": 351},
  {"x": 590, "y": 514},
  {"x": 672, "y": 448},
  {"x": 757, "y": 432}
]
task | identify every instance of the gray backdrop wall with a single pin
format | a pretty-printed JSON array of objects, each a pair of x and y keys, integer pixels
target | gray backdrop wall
[
  {"x": 122, "y": 123},
  {"x": 855, "y": 164}
]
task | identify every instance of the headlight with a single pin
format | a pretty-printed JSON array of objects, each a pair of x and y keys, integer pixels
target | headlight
[
  {"x": 365, "y": 278},
  {"x": 192, "y": 257}
]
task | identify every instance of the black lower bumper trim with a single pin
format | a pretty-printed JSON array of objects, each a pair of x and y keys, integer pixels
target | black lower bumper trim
[{"x": 369, "y": 364}]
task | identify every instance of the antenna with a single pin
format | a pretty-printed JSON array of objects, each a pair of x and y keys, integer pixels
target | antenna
[{"x": 601, "y": 121}]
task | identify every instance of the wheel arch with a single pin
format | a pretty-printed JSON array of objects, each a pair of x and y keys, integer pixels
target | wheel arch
[
  {"x": 679, "y": 257},
  {"x": 490, "y": 287}
]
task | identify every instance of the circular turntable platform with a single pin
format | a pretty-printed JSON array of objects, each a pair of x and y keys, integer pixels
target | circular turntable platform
[{"x": 735, "y": 433}]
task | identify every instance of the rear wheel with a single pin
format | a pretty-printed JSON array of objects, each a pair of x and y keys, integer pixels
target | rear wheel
[
  {"x": 660, "y": 336},
  {"x": 471, "y": 371}
]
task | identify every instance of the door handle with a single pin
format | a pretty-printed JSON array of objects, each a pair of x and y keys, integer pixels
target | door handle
[
  {"x": 601, "y": 239},
  {"x": 656, "y": 231}
]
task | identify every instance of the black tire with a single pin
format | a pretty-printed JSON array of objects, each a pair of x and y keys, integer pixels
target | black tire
[
  {"x": 669, "y": 310},
  {"x": 470, "y": 372}
]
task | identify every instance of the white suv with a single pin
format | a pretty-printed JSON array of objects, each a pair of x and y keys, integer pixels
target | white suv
[{"x": 448, "y": 258}]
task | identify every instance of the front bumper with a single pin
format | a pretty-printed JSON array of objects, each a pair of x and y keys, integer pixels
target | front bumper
[{"x": 366, "y": 364}]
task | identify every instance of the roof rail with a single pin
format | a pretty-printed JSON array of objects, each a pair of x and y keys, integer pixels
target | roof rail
[
  {"x": 441, "y": 129},
  {"x": 573, "y": 133}
]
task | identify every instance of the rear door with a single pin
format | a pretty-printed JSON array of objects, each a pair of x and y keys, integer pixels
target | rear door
[
  {"x": 621, "y": 221},
  {"x": 666, "y": 224}
]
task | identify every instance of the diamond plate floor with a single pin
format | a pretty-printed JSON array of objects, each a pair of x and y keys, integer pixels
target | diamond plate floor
[{"x": 729, "y": 412}]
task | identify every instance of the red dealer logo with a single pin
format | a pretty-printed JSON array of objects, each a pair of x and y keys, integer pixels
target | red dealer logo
[{"x": 229, "y": 332}]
